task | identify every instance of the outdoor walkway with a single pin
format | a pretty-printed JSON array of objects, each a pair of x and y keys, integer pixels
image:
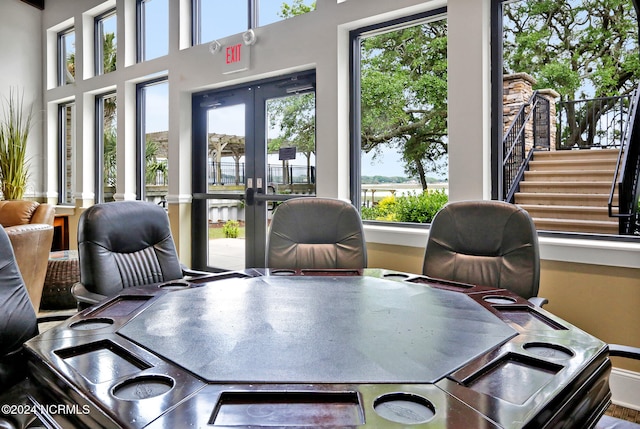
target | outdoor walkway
[{"x": 227, "y": 253}]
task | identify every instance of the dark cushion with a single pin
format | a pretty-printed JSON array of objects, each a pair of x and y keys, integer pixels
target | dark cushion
[
  {"x": 124, "y": 244},
  {"x": 488, "y": 243},
  {"x": 320, "y": 233},
  {"x": 18, "y": 322}
]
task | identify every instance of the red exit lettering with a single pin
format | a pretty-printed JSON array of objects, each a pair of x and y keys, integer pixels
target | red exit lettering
[{"x": 233, "y": 53}]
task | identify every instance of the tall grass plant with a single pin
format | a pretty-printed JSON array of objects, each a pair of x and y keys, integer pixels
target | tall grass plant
[{"x": 15, "y": 126}]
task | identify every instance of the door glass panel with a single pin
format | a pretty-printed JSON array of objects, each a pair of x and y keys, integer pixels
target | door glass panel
[
  {"x": 225, "y": 178},
  {"x": 291, "y": 144}
]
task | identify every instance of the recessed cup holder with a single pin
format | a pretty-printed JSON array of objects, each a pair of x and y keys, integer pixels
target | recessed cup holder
[
  {"x": 92, "y": 324},
  {"x": 283, "y": 272},
  {"x": 405, "y": 408},
  {"x": 174, "y": 284},
  {"x": 395, "y": 276},
  {"x": 549, "y": 351},
  {"x": 499, "y": 299},
  {"x": 145, "y": 387}
]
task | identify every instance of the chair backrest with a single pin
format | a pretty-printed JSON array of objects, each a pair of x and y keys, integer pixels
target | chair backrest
[
  {"x": 123, "y": 244},
  {"x": 18, "y": 322},
  {"x": 316, "y": 233},
  {"x": 489, "y": 243},
  {"x": 24, "y": 212}
]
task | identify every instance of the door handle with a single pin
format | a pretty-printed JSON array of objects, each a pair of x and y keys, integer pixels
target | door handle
[{"x": 249, "y": 196}]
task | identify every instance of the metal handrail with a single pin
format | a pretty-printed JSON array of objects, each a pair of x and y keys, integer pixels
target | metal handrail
[
  {"x": 627, "y": 172},
  {"x": 516, "y": 151}
]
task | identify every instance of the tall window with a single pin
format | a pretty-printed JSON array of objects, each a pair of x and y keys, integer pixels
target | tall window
[
  {"x": 400, "y": 127},
  {"x": 564, "y": 91},
  {"x": 66, "y": 57},
  {"x": 153, "y": 29},
  {"x": 219, "y": 18},
  {"x": 153, "y": 139},
  {"x": 106, "y": 142},
  {"x": 106, "y": 42},
  {"x": 215, "y": 19},
  {"x": 66, "y": 153}
]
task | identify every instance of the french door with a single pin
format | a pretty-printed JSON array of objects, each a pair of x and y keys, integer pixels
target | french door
[{"x": 253, "y": 147}]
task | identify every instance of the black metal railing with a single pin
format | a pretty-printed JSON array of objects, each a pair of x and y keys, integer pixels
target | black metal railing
[
  {"x": 532, "y": 122},
  {"x": 628, "y": 171},
  {"x": 593, "y": 123},
  {"x": 230, "y": 173}
]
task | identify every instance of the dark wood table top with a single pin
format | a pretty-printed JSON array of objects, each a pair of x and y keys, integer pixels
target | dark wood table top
[{"x": 274, "y": 348}]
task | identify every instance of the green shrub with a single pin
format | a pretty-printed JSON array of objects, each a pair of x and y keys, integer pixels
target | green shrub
[
  {"x": 420, "y": 208},
  {"x": 231, "y": 229},
  {"x": 416, "y": 208}
]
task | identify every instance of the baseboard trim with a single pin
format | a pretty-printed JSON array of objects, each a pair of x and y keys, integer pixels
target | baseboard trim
[{"x": 625, "y": 388}]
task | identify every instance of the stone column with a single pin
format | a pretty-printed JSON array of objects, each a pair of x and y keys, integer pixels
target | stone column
[{"x": 517, "y": 91}]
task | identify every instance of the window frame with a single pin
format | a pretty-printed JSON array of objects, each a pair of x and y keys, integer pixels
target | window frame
[
  {"x": 62, "y": 55},
  {"x": 141, "y": 25},
  {"x": 253, "y": 21},
  {"x": 98, "y": 32},
  {"x": 141, "y": 133},
  {"x": 355, "y": 150},
  {"x": 99, "y": 143},
  {"x": 62, "y": 145},
  {"x": 497, "y": 59}
]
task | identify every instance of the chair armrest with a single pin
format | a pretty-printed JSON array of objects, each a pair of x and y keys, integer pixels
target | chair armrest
[
  {"x": 84, "y": 296},
  {"x": 538, "y": 301},
  {"x": 619, "y": 350}
]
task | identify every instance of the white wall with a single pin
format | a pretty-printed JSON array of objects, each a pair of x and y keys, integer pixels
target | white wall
[
  {"x": 317, "y": 40},
  {"x": 21, "y": 70}
]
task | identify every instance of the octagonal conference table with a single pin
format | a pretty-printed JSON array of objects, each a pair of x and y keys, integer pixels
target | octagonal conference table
[{"x": 319, "y": 349}]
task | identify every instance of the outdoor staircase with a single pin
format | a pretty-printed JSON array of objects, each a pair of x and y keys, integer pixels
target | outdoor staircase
[{"x": 568, "y": 190}]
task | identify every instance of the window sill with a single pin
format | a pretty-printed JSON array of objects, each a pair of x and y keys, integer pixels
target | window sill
[{"x": 579, "y": 250}]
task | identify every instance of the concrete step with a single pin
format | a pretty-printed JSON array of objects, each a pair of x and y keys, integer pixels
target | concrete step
[
  {"x": 568, "y": 212},
  {"x": 574, "y": 154},
  {"x": 573, "y": 225},
  {"x": 570, "y": 164},
  {"x": 576, "y": 187},
  {"x": 569, "y": 176},
  {"x": 594, "y": 200}
]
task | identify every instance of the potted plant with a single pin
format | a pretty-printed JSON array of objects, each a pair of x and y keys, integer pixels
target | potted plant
[{"x": 15, "y": 125}]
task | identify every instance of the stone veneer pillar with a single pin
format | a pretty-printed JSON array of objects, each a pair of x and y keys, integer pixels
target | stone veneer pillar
[{"x": 517, "y": 90}]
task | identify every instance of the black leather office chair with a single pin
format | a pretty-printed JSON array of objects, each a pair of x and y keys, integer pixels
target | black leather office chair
[
  {"x": 18, "y": 322},
  {"x": 124, "y": 244},
  {"x": 488, "y": 243},
  {"x": 316, "y": 233}
]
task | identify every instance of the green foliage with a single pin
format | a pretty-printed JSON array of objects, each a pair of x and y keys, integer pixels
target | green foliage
[
  {"x": 416, "y": 208},
  {"x": 109, "y": 166},
  {"x": 153, "y": 166},
  {"x": 109, "y": 53},
  {"x": 581, "y": 49},
  {"x": 297, "y": 7},
  {"x": 420, "y": 208},
  {"x": 14, "y": 133},
  {"x": 231, "y": 229},
  {"x": 404, "y": 95}
]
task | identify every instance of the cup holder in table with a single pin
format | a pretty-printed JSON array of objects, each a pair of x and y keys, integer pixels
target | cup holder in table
[
  {"x": 138, "y": 388},
  {"x": 396, "y": 276},
  {"x": 92, "y": 324},
  {"x": 283, "y": 272},
  {"x": 549, "y": 351},
  {"x": 174, "y": 284},
  {"x": 405, "y": 408},
  {"x": 499, "y": 299}
]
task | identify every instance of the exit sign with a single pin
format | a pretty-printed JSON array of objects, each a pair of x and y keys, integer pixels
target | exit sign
[{"x": 235, "y": 56}]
